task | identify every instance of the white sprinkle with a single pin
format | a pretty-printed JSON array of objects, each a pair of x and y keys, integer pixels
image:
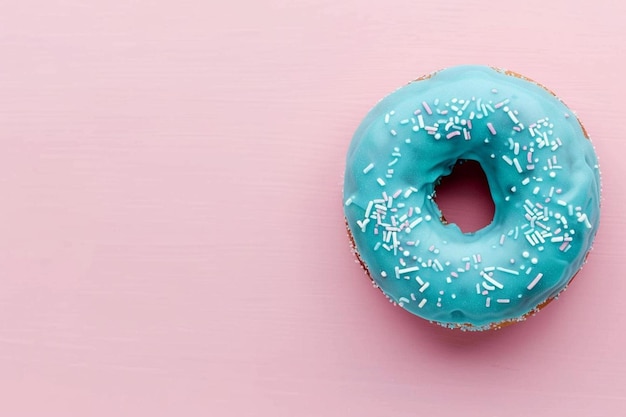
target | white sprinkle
[
  {"x": 507, "y": 159},
  {"x": 539, "y": 237},
  {"x": 423, "y": 287},
  {"x": 363, "y": 224},
  {"x": 348, "y": 201},
  {"x": 503, "y": 300},
  {"x": 511, "y": 143},
  {"x": 415, "y": 222},
  {"x": 393, "y": 132},
  {"x": 491, "y": 280},
  {"x": 488, "y": 302},
  {"x": 531, "y": 239},
  {"x": 387, "y": 118},
  {"x": 407, "y": 270},
  {"x": 534, "y": 281},
  {"x": 525, "y": 181},
  {"x": 583, "y": 218},
  {"x": 528, "y": 205},
  {"x": 487, "y": 286},
  {"x": 380, "y": 181},
  {"x": 513, "y": 118},
  {"x": 420, "y": 120},
  {"x": 561, "y": 203},
  {"x": 517, "y": 165},
  {"x": 437, "y": 264},
  {"x": 421, "y": 304},
  {"x": 508, "y": 271}
]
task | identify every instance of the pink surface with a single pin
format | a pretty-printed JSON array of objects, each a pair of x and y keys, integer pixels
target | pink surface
[{"x": 172, "y": 240}]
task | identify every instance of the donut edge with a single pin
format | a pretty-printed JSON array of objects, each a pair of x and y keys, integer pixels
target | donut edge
[
  {"x": 525, "y": 78},
  {"x": 464, "y": 326}
]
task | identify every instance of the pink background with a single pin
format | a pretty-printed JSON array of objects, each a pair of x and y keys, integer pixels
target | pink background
[{"x": 171, "y": 231}]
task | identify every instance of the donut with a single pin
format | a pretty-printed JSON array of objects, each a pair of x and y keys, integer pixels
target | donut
[{"x": 543, "y": 177}]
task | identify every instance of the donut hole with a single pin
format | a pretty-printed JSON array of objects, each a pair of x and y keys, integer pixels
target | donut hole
[{"x": 464, "y": 198}]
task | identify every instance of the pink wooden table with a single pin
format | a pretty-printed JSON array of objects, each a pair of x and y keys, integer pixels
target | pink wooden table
[{"x": 171, "y": 229}]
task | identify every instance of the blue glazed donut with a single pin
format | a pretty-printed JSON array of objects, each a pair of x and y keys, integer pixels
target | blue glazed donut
[{"x": 543, "y": 177}]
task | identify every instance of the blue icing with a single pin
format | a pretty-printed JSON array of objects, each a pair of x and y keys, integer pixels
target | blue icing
[{"x": 544, "y": 180}]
